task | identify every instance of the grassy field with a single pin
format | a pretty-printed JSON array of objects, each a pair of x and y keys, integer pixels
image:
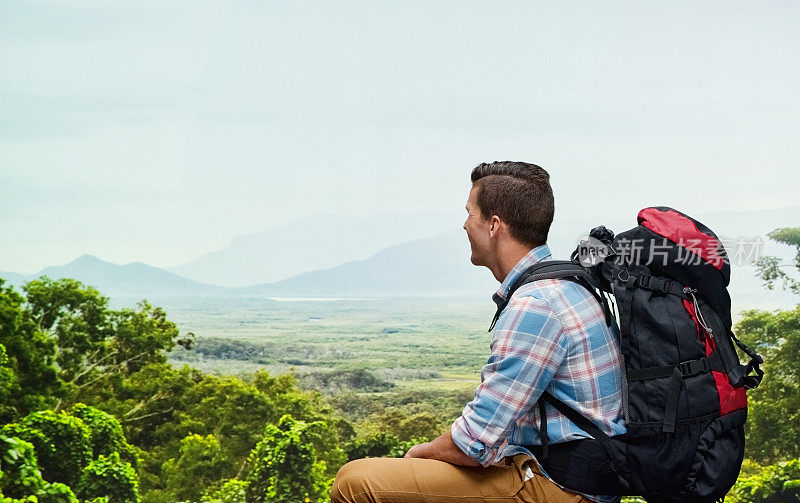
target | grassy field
[{"x": 412, "y": 343}]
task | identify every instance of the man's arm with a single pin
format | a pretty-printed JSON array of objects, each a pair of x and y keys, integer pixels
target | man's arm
[
  {"x": 528, "y": 347},
  {"x": 444, "y": 449}
]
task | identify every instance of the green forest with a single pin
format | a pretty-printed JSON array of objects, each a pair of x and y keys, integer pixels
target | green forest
[{"x": 95, "y": 406}]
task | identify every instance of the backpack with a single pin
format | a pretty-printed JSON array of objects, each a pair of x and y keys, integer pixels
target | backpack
[{"x": 683, "y": 385}]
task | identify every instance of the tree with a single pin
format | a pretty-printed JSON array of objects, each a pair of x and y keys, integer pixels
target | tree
[
  {"x": 8, "y": 382},
  {"x": 30, "y": 378},
  {"x": 421, "y": 424},
  {"x": 159, "y": 406},
  {"x": 773, "y": 423},
  {"x": 57, "y": 455},
  {"x": 61, "y": 443},
  {"x": 373, "y": 446},
  {"x": 76, "y": 318},
  {"x": 773, "y": 426},
  {"x": 233, "y": 411},
  {"x": 109, "y": 477},
  {"x": 142, "y": 336},
  {"x": 93, "y": 344},
  {"x": 151, "y": 405},
  {"x": 377, "y": 445},
  {"x": 199, "y": 466},
  {"x": 232, "y": 491},
  {"x": 308, "y": 406},
  {"x": 20, "y": 472},
  {"x": 105, "y": 433},
  {"x": 771, "y": 268},
  {"x": 20, "y": 478},
  {"x": 284, "y": 466},
  {"x": 61, "y": 347},
  {"x": 778, "y": 483}
]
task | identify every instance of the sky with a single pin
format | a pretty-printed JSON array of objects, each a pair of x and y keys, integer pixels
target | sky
[{"x": 157, "y": 131}]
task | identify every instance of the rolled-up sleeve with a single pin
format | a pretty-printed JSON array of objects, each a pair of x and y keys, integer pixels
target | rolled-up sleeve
[{"x": 528, "y": 346}]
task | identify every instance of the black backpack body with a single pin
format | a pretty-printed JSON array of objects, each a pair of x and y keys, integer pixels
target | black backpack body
[{"x": 683, "y": 385}]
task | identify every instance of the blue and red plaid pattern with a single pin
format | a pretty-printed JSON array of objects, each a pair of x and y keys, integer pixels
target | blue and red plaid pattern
[{"x": 552, "y": 335}]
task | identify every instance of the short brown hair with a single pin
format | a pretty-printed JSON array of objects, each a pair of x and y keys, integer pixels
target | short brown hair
[{"x": 520, "y": 194}]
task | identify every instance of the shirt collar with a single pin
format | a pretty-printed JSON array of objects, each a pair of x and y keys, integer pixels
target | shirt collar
[{"x": 538, "y": 254}]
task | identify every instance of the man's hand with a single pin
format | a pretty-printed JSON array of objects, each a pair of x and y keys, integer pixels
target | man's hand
[
  {"x": 443, "y": 449},
  {"x": 416, "y": 451}
]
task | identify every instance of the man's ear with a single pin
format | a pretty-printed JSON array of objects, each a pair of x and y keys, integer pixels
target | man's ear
[{"x": 494, "y": 226}]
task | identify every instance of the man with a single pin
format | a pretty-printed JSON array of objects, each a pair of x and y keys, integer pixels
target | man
[{"x": 552, "y": 335}]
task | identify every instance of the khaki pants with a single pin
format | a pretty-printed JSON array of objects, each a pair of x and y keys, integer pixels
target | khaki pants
[{"x": 395, "y": 480}]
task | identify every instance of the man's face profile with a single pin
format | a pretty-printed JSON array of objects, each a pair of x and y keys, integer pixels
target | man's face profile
[{"x": 477, "y": 229}]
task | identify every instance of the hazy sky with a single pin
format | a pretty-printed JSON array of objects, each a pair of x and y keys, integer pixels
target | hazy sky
[{"x": 157, "y": 131}]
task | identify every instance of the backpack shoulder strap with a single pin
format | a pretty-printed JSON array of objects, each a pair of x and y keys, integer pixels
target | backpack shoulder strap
[
  {"x": 554, "y": 269},
  {"x": 565, "y": 269}
]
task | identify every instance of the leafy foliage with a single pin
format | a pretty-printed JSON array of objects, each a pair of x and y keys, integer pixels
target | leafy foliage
[
  {"x": 200, "y": 465},
  {"x": 383, "y": 444},
  {"x": 109, "y": 477},
  {"x": 56, "y": 493},
  {"x": 185, "y": 434},
  {"x": 105, "y": 433},
  {"x": 337, "y": 380},
  {"x": 77, "y": 319},
  {"x": 58, "y": 455},
  {"x": 407, "y": 414},
  {"x": 373, "y": 446},
  {"x": 160, "y": 406},
  {"x": 777, "y": 483},
  {"x": 284, "y": 466},
  {"x": 29, "y": 499},
  {"x": 773, "y": 424},
  {"x": 7, "y": 383},
  {"x": 20, "y": 478},
  {"x": 771, "y": 268},
  {"x": 232, "y": 491},
  {"x": 29, "y": 377},
  {"x": 61, "y": 442},
  {"x": 95, "y": 345},
  {"x": 20, "y": 472}
]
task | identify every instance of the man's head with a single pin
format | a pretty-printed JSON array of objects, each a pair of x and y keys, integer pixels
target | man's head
[{"x": 510, "y": 206}]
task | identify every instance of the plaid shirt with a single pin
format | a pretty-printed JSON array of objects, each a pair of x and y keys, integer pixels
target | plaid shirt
[{"x": 552, "y": 335}]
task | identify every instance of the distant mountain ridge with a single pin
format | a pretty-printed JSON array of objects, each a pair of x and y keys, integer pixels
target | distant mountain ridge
[
  {"x": 432, "y": 266},
  {"x": 135, "y": 278},
  {"x": 316, "y": 242},
  {"x": 435, "y": 265}
]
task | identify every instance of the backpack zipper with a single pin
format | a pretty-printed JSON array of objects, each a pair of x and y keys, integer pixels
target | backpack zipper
[{"x": 700, "y": 319}]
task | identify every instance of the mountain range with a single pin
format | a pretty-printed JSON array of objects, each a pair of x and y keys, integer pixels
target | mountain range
[
  {"x": 134, "y": 279},
  {"x": 436, "y": 265},
  {"x": 315, "y": 242}
]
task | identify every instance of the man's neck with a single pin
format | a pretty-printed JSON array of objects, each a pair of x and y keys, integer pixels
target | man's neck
[{"x": 508, "y": 257}]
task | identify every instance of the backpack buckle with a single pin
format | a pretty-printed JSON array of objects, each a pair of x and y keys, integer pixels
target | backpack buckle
[{"x": 695, "y": 367}]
